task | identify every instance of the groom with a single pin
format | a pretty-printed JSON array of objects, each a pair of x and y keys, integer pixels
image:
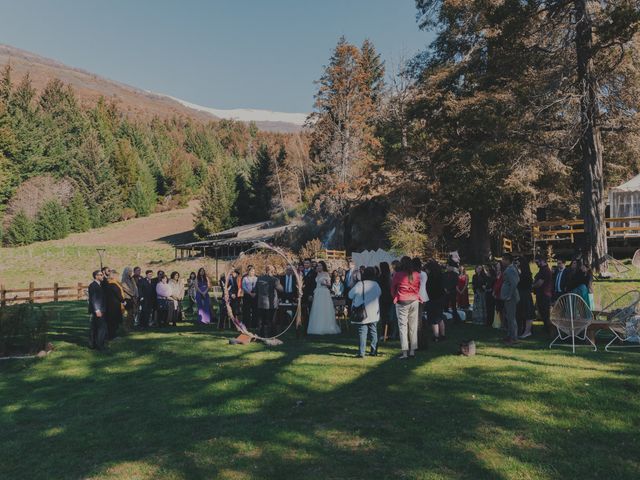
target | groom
[{"x": 308, "y": 286}]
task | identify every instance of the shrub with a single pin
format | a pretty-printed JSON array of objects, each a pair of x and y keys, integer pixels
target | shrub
[
  {"x": 52, "y": 222},
  {"x": 128, "y": 214},
  {"x": 406, "y": 235},
  {"x": 21, "y": 231},
  {"x": 79, "y": 220},
  {"x": 311, "y": 249},
  {"x": 23, "y": 329}
]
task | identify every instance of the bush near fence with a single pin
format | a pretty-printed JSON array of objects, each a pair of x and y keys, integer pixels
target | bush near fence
[{"x": 23, "y": 329}]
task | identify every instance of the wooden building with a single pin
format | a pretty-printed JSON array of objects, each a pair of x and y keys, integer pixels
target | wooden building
[{"x": 229, "y": 244}]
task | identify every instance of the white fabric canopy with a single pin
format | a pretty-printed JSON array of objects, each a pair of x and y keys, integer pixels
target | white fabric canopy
[
  {"x": 632, "y": 185},
  {"x": 372, "y": 258}
]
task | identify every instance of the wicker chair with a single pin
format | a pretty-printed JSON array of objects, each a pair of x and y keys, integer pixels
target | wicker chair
[
  {"x": 624, "y": 321},
  {"x": 571, "y": 316}
]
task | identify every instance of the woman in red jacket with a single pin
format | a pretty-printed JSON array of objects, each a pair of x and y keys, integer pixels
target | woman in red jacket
[{"x": 405, "y": 290}]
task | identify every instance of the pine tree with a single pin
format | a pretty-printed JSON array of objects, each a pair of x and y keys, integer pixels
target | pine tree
[
  {"x": 79, "y": 220},
  {"x": 21, "y": 230},
  {"x": 6, "y": 85},
  {"x": 373, "y": 68},
  {"x": 243, "y": 207},
  {"x": 143, "y": 198},
  {"x": 52, "y": 221},
  {"x": 126, "y": 166},
  {"x": 217, "y": 200},
  {"x": 343, "y": 141},
  {"x": 506, "y": 81},
  {"x": 93, "y": 174},
  {"x": 260, "y": 188}
]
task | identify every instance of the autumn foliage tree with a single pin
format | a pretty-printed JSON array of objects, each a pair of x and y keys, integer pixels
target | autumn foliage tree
[{"x": 343, "y": 141}]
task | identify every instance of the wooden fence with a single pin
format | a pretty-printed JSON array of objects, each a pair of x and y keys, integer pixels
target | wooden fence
[
  {"x": 332, "y": 254},
  {"x": 42, "y": 294},
  {"x": 559, "y": 230}
]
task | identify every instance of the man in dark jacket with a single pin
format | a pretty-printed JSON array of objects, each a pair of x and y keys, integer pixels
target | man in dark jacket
[
  {"x": 267, "y": 288},
  {"x": 561, "y": 280},
  {"x": 147, "y": 293},
  {"x": 98, "y": 326},
  {"x": 289, "y": 283},
  {"x": 450, "y": 283}
]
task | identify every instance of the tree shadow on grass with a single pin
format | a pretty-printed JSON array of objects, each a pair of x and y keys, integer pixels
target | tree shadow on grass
[{"x": 194, "y": 407}]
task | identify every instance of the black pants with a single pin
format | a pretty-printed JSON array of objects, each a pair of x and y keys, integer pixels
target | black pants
[
  {"x": 97, "y": 332},
  {"x": 267, "y": 322},
  {"x": 113, "y": 320},
  {"x": 453, "y": 305},
  {"x": 544, "y": 309},
  {"x": 145, "y": 314},
  {"x": 490, "y": 303},
  {"x": 250, "y": 311}
]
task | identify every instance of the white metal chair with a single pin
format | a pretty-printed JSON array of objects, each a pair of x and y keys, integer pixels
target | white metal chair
[
  {"x": 571, "y": 316},
  {"x": 616, "y": 268},
  {"x": 625, "y": 322},
  {"x": 636, "y": 259}
]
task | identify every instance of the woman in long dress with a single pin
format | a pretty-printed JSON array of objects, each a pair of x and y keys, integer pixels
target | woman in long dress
[
  {"x": 322, "y": 319},
  {"x": 462, "y": 289},
  {"x": 480, "y": 284},
  {"x": 202, "y": 297}
]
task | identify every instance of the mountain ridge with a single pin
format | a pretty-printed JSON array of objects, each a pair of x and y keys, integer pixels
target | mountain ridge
[{"x": 133, "y": 100}]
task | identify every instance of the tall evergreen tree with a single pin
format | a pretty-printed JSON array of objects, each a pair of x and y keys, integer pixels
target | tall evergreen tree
[
  {"x": 260, "y": 184},
  {"x": 78, "y": 213},
  {"x": 217, "y": 200},
  {"x": 21, "y": 230},
  {"x": 243, "y": 207},
  {"x": 52, "y": 221},
  {"x": 342, "y": 137},
  {"x": 500, "y": 85},
  {"x": 94, "y": 176}
]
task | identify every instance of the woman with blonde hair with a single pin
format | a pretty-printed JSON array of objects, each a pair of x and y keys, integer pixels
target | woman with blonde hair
[{"x": 131, "y": 298}]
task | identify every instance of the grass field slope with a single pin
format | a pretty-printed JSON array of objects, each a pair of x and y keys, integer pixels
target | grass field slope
[{"x": 146, "y": 241}]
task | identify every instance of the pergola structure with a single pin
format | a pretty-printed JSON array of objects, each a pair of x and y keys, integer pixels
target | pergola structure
[{"x": 230, "y": 243}]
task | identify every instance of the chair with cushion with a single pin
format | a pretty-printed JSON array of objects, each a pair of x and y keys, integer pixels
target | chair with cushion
[
  {"x": 571, "y": 316},
  {"x": 624, "y": 322}
]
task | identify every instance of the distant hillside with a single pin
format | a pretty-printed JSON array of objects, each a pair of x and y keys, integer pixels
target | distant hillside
[{"x": 131, "y": 100}]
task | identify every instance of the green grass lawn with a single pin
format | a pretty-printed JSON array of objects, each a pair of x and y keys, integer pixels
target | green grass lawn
[{"x": 183, "y": 404}]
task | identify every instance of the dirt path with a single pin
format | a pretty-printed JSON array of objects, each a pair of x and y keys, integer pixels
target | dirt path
[{"x": 159, "y": 228}]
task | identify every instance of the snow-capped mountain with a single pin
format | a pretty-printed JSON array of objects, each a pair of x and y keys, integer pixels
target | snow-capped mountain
[{"x": 247, "y": 115}]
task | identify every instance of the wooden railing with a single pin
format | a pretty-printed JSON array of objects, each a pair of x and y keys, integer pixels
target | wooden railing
[
  {"x": 559, "y": 230},
  {"x": 42, "y": 294},
  {"x": 332, "y": 254}
]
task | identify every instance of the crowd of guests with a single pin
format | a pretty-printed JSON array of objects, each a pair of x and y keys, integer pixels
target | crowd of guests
[
  {"x": 132, "y": 301},
  {"x": 403, "y": 300},
  {"x": 504, "y": 292}
]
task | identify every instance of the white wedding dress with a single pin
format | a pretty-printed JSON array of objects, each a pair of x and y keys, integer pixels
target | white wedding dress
[{"x": 322, "y": 320}]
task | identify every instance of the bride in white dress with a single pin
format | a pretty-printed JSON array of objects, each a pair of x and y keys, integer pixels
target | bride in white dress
[{"x": 322, "y": 320}]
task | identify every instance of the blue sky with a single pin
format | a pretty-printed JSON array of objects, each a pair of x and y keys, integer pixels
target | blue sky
[{"x": 217, "y": 53}]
